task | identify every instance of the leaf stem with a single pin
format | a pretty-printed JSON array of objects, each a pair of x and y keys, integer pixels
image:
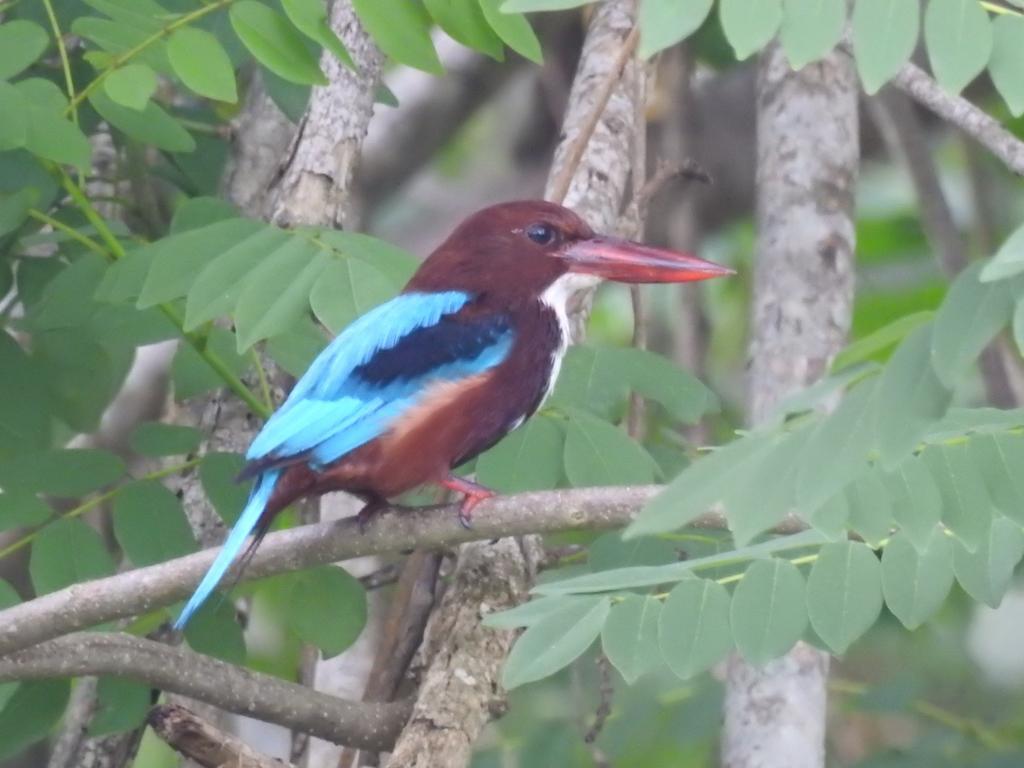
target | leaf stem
[
  {"x": 116, "y": 252},
  {"x": 131, "y": 53},
  {"x": 71, "y": 232},
  {"x": 94, "y": 502},
  {"x": 64, "y": 62}
]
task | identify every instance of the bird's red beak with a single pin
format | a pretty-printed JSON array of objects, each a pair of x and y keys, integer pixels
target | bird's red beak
[{"x": 628, "y": 262}]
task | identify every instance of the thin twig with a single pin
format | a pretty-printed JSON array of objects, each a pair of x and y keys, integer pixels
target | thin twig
[
  {"x": 561, "y": 183},
  {"x": 982, "y": 127}
]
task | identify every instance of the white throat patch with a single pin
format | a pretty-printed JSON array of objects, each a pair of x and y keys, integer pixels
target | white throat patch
[{"x": 556, "y": 296}]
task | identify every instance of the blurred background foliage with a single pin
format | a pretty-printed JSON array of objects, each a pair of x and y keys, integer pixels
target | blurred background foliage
[{"x": 947, "y": 693}]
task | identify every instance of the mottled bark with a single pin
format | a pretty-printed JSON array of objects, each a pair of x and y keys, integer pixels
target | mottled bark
[
  {"x": 461, "y": 689},
  {"x": 315, "y": 181},
  {"x": 203, "y": 743},
  {"x": 808, "y": 155},
  {"x": 460, "y": 692},
  {"x": 260, "y": 137}
]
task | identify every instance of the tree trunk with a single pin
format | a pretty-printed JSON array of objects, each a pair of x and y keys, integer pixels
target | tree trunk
[
  {"x": 455, "y": 701},
  {"x": 807, "y": 159}
]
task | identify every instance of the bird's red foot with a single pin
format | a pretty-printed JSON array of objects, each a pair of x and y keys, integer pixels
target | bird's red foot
[{"x": 472, "y": 494}]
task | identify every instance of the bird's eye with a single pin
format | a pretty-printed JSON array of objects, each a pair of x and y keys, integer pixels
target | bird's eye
[{"x": 542, "y": 234}]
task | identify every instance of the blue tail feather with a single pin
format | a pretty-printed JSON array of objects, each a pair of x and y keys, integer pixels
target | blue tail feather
[{"x": 247, "y": 521}]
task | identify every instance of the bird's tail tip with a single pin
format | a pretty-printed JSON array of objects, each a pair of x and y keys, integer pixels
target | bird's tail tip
[{"x": 245, "y": 525}]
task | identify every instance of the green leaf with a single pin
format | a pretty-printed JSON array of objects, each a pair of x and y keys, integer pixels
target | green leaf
[
  {"x": 528, "y": 459},
  {"x": 693, "y": 629},
  {"x": 191, "y": 375},
  {"x": 150, "y": 524},
  {"x": 1007, "y": 61},
  {"x": 327, "y": 608},
  {"x": 178, "y": 262},
  {"x": 202, "y": 64},
  {"x": 1018, "y": 326},
  {"x": 844, "y": 593},
  {"x": 402, "y": 30},
  {"x": 649, "y": 576},
  {"x": 910, "y": 398},
  {"x": 152, "y": 125},
  {"x": 884, "y": 35},
  {"x": 216, "y": 288},
  {"x": 274, "y": 42},
  {"x": 590, "y": 379},
  {"x": 276, "y": 293},
  {"x": 396, "y": 263},
  {"x": 295, "y": 349},
  {"x": 25, "y": 422},
  {"x": 869, "y": 347},
  {"x": 1008, "y": 261},
  {"x": 214, "y": 630},
  {"x": 608, "y": 551},
  {"x": 966, "y": 507},
  {"x": 65, "y": 473},
  {"x": 629, "y": 637},
  {"x": 346, "y": 289},
  {"x": 19, "y": 509},
  {"x": 531, "y": 612},
  {"x": 217, "y": 472},
  {"x": 916, "y": 582},
  {"x": 999, "y": 458},
  {"x": 845, "y": 437},
  {"x": 811, "y": 28},
  {"x": 768, "y": 611},
  {"x": 198, "y": 212},
  {"x": 310, "y": 18},
  {"x": 513, "y": 29},
  {"x": 152, "y": 438},
  {"x": 985, "y": 574},
  {"x": 598, "y": 453},
  {"x": 958, "y": 35},
  {"x": 14, "y": 127},
  {"x": 540, "y": 5},
  {"x": 749, "y": 25},
  {"x": 21, "y": 43},
  {"x": 968, "y": 319},
  {"x": 704, "y": 483},
  {"x": 31, "y": 712},
  {"x": 666, "y": 22},
  {"x": 766, "y": 492},
  {"x": 464, "y": 21},
  {"x": 66, "y": 553},
  {"x": 830, "y": 518},
  {"x": 49, "y": 134},
  {"x": 555, "y": 641},
  {"x": 870, "y": 511},
  {"x": 121, "y": 705},
  {"x": 657, "y": 378},
  {"x": 916, "y": 500},
  {"x": 131, "y": 86}
]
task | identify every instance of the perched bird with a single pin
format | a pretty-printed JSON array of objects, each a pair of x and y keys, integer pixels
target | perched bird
[{"x": 428, "y": 380}]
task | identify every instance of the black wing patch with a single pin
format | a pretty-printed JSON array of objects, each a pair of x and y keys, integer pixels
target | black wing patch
[{"x": 450, "y": 341}]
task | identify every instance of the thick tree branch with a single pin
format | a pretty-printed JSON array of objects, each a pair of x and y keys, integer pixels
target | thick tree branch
[
  {"x": 373, "y": 726},
  {"x": 145, "y": 589},
  {"x": 204, "y": 743},
  {"x": 808, "y": 155}
]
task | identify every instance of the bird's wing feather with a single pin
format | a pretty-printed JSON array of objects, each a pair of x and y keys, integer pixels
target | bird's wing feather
[{"x": 375, "y": 371}]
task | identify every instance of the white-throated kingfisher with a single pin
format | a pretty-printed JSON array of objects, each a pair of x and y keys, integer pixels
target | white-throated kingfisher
[{"x": 440, "y": 373}]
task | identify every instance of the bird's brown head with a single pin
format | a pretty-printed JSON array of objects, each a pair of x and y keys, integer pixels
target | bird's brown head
[{"x": 521, "y": 248}]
